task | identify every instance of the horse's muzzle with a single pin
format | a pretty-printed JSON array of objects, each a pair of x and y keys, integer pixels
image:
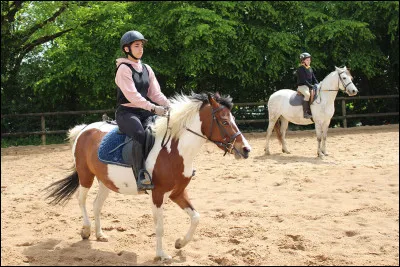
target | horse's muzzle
[
  {"x": 242, "y": 152},
  {"x": 352, "y": 92},
  {"x": 246, "y": 151}
]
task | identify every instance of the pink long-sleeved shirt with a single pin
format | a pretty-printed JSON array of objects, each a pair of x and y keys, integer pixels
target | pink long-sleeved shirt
[{"x": 124, "y": 81}]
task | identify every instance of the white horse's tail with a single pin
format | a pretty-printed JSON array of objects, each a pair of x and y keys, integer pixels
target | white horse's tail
[
  {"x": 74, "y": 132},
  {"x": 277, "y": 128}
]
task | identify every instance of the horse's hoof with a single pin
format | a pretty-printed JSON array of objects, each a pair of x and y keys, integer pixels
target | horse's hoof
[
  {"x": 102, "y": 238},
  {"x": 163, "y": 258},
  {"x": 267, "y": 153},
  {"x": 85, "y": 232},
  {"x": 178, "y": 243}
]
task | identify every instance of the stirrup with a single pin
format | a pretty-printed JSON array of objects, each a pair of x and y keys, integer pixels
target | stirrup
[{"x": 146, "y": 183}]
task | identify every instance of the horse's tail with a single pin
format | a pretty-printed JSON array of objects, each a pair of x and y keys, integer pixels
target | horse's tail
[
  {"x": 62, "y": 190},
  {"x": 74, "y": 132},
  {"x": 277, "y": 128}
]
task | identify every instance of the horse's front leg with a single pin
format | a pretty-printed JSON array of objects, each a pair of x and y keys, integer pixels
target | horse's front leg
[
  {"x": 158, "y": 216},
  {"x": 318, "y": 130},
  {"x": 183, "y": 201}
]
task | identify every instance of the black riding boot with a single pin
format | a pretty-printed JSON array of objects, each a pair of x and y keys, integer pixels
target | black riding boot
[
  {"x": 306, "y": 110},
  {"x": 143, "y": 177}
]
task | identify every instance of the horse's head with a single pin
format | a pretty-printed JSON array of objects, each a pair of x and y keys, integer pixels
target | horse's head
[
  {"x": 218, "y": 124},
  {"x": 346, "y": 84}
]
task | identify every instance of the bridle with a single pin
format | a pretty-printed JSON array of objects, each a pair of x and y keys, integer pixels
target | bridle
[
  {"x": 340, "y": 79},
  {"x": 229, "y": 143},
  {"x": 345, "y": 86}
]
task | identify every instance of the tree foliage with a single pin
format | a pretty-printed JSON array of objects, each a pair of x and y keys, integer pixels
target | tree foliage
[{"x": 61, "y": 55}]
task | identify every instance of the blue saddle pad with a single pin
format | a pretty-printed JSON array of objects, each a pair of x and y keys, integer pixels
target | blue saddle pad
[{"x": 112, "y": 148}]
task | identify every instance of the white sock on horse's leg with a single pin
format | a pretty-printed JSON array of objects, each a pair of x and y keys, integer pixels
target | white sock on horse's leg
[
  {"x": 194, "y": 221},
  {"x": 158, "y": 216}
]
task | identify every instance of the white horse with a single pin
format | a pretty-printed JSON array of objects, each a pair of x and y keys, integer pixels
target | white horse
[{"x": 282, "y": 106}]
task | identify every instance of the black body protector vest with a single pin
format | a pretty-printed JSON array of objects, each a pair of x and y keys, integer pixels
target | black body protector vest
[{"x": 141, "y": 80}]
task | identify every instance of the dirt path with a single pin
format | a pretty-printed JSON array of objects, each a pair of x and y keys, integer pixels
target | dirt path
[{"x": 283, "y": 209}]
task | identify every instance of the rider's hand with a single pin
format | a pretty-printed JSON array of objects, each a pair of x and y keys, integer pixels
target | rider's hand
[
  {"x": 167, "y": 106},
  {"x": 159, "y": 110}
]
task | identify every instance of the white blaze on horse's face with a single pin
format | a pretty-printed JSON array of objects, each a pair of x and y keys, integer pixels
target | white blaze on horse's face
[
  {"x": 245, "y": 147},
  {"x": 225, "y": 131},
  {"x": 345, "y": 81}
]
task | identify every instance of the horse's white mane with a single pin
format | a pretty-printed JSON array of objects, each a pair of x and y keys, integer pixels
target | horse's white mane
[{"x": 183, "y": 110}]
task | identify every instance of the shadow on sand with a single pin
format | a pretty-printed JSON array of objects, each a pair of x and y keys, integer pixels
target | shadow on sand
[{"x": 81, "y": 253}]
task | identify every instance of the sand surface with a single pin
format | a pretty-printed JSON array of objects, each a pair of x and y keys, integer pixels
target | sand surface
[{"x": 283, "y": 209}]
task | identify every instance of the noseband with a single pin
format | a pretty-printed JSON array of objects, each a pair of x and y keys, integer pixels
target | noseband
[{"x": 227, "y": 145}]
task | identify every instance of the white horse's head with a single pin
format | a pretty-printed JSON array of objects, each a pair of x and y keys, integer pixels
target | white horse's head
[{"x": 345, "y": 81}]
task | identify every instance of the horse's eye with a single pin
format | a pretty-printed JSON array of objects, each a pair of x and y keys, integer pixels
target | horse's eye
[{"x": 226, "y": 123}]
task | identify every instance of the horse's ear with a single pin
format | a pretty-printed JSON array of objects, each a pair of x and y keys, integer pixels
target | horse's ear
[{"x": 212, "y": 101}]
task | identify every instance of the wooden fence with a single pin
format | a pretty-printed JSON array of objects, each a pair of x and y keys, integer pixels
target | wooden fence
[{"x": 263, "y": 104}]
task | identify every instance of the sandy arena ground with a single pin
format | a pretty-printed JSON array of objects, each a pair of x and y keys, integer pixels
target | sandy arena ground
[{"x": 283, "y": 209}]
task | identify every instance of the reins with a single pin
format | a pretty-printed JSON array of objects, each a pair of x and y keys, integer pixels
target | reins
[{"x": 168, "y": 128}]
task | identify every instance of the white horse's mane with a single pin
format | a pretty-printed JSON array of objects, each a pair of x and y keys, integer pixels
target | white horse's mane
[{"x": 183, "y": 110}]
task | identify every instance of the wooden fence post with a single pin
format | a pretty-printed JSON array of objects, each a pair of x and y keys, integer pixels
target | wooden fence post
[
  {"x": 344, "y": 113},
  {"x": 43, "y": 130}
]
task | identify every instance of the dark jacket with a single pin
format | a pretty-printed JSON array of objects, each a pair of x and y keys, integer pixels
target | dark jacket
[{"x": 305, "y": 76}]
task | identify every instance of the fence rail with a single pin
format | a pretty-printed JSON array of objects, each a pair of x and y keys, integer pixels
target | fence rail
[{"x": 343, "y": 116}]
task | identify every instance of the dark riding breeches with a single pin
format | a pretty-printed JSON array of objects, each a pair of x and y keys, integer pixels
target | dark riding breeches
[{"x": 131, "y": 123}]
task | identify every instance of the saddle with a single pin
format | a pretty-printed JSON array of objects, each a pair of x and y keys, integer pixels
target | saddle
[
  {"x": 116, "y": 147},
  {"x": 298, "y": 98}
]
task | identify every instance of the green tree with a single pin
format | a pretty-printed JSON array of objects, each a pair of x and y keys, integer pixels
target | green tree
[
  {"x": 243, "y": 48},
  {"x": 27, "y": 29}
]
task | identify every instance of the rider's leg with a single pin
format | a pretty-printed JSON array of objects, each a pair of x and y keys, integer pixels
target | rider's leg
[
  {"x": 131, "y": 125},
  {"x": 306, "y": 102},
  {"x": 143, "y": 178}
]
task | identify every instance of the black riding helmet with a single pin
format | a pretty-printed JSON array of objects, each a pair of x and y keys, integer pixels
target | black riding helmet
[{"x": 128, "y": 38}]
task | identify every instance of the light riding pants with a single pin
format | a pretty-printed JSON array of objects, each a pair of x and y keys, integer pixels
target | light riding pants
[{"x": 305, "y": 91}]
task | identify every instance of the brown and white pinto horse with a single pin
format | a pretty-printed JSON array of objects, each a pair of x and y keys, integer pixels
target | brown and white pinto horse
[{"x": 193, "y": 120}]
